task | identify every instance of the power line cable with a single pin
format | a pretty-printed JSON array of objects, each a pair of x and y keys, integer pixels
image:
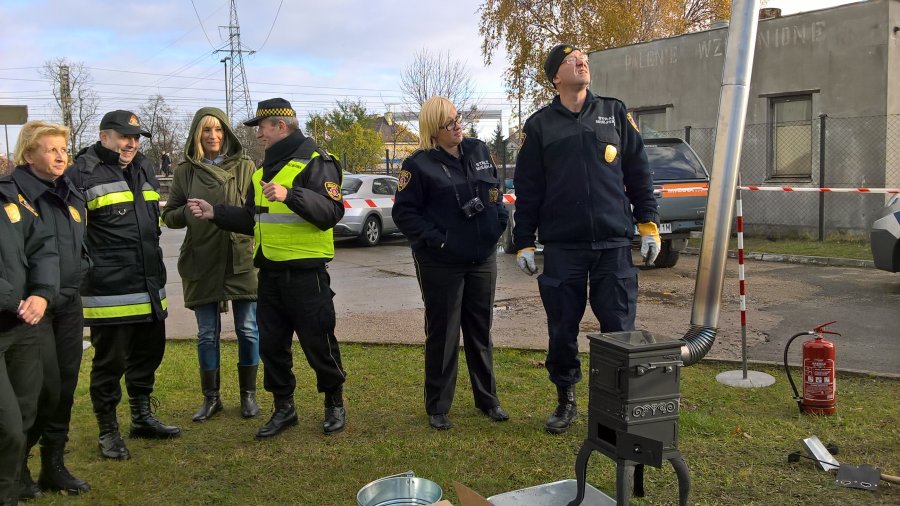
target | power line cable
[
  {"x": 201, "y": 25},
  {"x": 271, "y": 27}
]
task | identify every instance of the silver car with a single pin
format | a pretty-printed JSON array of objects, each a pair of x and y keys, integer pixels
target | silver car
[
  {"x": 885, "y": 237},
  {"x": 368, "y": 200}
]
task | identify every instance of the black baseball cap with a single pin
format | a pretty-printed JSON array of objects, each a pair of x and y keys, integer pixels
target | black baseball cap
[
  {"x": 124, "y": 122},
  {"x": 271, "y": 107},
  {"x": 555, "y": 58}
]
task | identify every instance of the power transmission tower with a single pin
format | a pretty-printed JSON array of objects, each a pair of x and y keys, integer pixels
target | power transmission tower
[
  {"x": 65, "y": 101},
  {"x": 238, "y": 101}
]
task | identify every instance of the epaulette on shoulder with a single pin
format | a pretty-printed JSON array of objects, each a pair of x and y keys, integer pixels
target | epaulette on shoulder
[
  {"x": 612, "y": 99},
  {"x": 417, "y": 152},
  {"x": 325, "y": 155}
]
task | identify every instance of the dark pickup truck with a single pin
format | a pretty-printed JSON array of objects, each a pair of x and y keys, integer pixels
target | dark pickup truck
[{"x": 680, "y": 181}]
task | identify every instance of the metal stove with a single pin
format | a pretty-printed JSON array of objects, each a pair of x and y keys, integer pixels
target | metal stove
[{"x": 633, "y": 406}]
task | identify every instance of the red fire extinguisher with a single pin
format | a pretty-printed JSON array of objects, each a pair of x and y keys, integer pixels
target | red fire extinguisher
[{"x": 819, "y": 387}]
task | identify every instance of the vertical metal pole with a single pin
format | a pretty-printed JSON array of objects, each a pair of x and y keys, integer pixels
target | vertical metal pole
[
  {"x": 687, "y": 134},
  {"x": 503, "y": 171},
  {"x": 387, "y": 161},
  {"x": 8, "y": 159},
  {"x": 822, "y": 117}
]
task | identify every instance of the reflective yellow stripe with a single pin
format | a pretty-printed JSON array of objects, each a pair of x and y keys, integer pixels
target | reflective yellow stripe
[
  {"x": 150, "y": 195},
  {"x": 110, "y": 199},
  {"x": 121, "y": 311}
]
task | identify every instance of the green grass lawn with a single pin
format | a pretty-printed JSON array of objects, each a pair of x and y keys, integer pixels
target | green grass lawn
[
  {"x": 735, "y": 441},
  {"x": 858, "y": 250}
]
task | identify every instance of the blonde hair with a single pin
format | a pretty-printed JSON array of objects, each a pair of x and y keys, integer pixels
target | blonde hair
[
  {"x": 434, "y": 114},
  {"x": 30, "y": 135},
  {"x": 208, "y": 121}
]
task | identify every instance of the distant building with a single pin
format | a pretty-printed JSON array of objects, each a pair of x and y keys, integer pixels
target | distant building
[
  {"x": 399, "y": 141},
  {"x": 843, "y": 62}
]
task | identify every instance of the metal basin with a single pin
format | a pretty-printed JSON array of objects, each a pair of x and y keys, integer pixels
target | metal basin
[{"x": 399, "y": 490}]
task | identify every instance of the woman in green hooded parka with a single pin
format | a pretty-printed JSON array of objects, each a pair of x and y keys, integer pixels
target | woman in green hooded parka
[{"x": 216, "y": 266}]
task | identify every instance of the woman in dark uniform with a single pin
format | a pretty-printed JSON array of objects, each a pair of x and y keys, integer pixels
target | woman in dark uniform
[{"x": 450, "y": 207}]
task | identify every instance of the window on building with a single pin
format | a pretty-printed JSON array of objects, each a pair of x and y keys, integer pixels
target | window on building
[
  {"x": 791, "y": 136},
  {"x": 651, "y": 121}
]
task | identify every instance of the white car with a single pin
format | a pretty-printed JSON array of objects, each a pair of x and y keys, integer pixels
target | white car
[{"x": 368, "y": 201}]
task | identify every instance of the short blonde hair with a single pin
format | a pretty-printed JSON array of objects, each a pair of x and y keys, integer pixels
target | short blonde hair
[
  {"x": 212, "y": 122},
  {"x": 434, "y": 114},
  {"x": 31, "y": 133}
]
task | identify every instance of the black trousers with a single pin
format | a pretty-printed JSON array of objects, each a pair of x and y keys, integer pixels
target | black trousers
[
  {"x": 20, "y": 385},
  {"x": 297, "y": 301},
  {"x": 61, "y": 353},
  {"x": 132, "y": 349},
  {"x": 457, "y": 296},
  {"x": 568, "y": 273}
]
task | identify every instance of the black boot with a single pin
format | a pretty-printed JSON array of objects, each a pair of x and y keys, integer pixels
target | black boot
[
  {"x": 212, "y": 403},
  {"x": 28, "y": 489},
  {"x": 284, "y": 416},
  {"x": 247, "y": 380},
  {"x": 111, "y": 444},
  {"x": 55, "y": 476},
  {"x": 565, "y": 412},
  {"x": 334, "y": 411},
  {"x": 145, "y": 425}
]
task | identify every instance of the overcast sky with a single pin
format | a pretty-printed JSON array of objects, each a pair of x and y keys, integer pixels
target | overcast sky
[{"x": 310, "y": 52}]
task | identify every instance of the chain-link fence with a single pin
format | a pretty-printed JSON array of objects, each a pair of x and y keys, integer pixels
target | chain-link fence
[{"x": 859, "y": 152}]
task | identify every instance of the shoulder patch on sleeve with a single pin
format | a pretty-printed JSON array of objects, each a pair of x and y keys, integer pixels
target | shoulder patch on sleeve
[
  {"x": 334, "y": 190},
  {"x": 403, "y": 179},
  {"x": 631, "y": 121}
]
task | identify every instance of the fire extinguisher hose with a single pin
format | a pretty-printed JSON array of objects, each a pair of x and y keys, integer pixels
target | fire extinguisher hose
[{"x": 787, "y": 369}]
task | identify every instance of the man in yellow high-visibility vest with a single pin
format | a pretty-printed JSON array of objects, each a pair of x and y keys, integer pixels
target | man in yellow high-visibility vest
[{"x": 291, "y": 208}]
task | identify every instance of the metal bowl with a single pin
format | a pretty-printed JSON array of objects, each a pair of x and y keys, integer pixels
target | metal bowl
[{"x": 399, "y": 490}]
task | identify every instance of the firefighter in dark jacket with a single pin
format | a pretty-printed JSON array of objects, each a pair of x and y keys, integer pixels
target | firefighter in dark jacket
[
  {"x": 41, "y": 160},
  {"x": 29, "y": 280},
  {"x": 124, "y": 295},
  {"x": 582, "y": 181},
  {"x": 450, "y": 207},
  {"x": 292, "y": 205}
]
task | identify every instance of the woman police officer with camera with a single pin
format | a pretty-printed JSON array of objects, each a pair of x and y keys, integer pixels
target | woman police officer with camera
[{"x": 449, "y": 205}]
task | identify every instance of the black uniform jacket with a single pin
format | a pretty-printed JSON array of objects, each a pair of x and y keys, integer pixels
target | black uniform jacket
[
  {"x": 427, "y": 205},
  {"x": 29, "y": 262},
  {"x": 62, "y": 208},
  {"x": 123, "y": 237},
  {"x": 578, "y": 176},
  {"x": 308, "y": 197}
]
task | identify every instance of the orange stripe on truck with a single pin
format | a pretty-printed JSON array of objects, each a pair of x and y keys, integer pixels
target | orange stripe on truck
[{"x": 684, "y": 190}]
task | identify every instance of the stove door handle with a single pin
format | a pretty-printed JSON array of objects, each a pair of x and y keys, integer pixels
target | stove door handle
[{"x": 669, "y": 366}]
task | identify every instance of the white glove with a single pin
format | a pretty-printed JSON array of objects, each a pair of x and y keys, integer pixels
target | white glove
[
  {"x": 525, "y": 261},
  {"x": 650, "y": 241}
]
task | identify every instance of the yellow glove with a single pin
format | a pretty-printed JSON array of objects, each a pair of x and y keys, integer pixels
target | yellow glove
[
  {"x": 650, "y": 241},
  {"x": 525, "y": 261}
]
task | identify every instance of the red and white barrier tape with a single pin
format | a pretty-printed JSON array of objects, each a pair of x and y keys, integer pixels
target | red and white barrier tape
[{"x": 788, "y": 189}]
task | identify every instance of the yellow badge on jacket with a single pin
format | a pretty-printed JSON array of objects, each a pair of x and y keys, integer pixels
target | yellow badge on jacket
[
  {"x": 76, "y": 215},
  {"x": 403, "y": 179},
  {"x": 12, "y": 212},
  {"x": 610, "y": 154},
  {"x": 334, "y": 191},
  {"x": 24, "y": 203},
  {"x": 493, "y": 195}
]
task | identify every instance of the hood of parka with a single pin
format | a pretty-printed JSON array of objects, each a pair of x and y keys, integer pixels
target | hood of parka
[{"x": 234, "y": 148}]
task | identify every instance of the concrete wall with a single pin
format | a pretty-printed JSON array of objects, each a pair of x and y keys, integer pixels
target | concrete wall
[{"x": 845, "y": 57}]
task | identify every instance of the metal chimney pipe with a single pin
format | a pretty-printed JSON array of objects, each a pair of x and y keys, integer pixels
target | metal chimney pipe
[{"x": 723, "y": 180}]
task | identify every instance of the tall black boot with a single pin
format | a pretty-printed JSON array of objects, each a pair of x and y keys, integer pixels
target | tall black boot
[
  {"x": 28, "y": 489},
  {"x": 54, "y": 475},
  {"x": 111, "y": 444},
  {"x": 565, "y": 412},
  {"x": 334, "y": 411},
  {"x": 212, "y": 403},
  {"x": 247, "y": 380},
  {"x": 284, "y": 416},
  {"x": 145, "y": 425}
]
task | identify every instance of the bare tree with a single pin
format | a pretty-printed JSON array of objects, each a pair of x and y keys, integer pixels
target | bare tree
[
  {"x": 161, "y": 120},
  {"x": 78, "y": 107},
  {"x": 436, "y": 74}
]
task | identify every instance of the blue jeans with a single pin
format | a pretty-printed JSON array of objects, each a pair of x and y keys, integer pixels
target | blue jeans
[{"x": 209, "y": 329}]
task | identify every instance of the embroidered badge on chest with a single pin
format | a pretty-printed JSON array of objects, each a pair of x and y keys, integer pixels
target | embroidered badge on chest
[
  {"x": 610, "y": 154},
  {"x": 403, "y": 179},
  {"x": 75, "y": 214},
  {"x": 12, "y": 212},
  {"x": 493, "y": 195},
  {"x": 334, "y": 191}
]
